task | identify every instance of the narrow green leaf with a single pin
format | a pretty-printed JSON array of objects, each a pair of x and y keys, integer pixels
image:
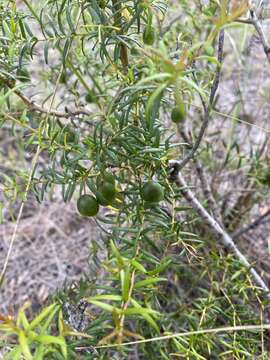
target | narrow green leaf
[
  {"x": 39, "y": 318},
  {"x": 126, "y": 284},
  {"x": 24, "y": 345},
  {"x": 104, "y": 306},
  {"x": 138, "y": 266},
  {"x": 105, "y": 297},
  {"x": 160, "y": 268},
  {"x": 46, "y": 52},
  {"x": 193, "y": 85},
  {"x": 139, "y": 311},
  {"x": 153, "y": 104},
  {"x": 147, "y": 282},
  {"x": 117, "y": 253},
  {"x": 49, "y": 339}
]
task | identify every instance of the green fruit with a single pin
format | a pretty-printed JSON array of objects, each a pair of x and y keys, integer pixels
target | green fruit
[
  {"x": 23, "y": 75},
  {"x": 149, "y": 35},
  {"x": 87, "y": 205},
  {"x": 105, "y": 177},
  {"x": 90, "y": 97},
  {"x": 178, "y": 114},
  {"x": 106, "y": 193},
  {"x": 152, "y": 192},
  {"x": 101, "y": 200}
]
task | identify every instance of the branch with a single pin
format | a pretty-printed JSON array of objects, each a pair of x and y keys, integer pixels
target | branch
[
  {"x": 251, "y": 226},
  {"x": 207, "y": 191},
  {"x": 205, "y": 184},
  {"x": 40, "y": 109},
  {"x": 216, "y": 229},
  {"x": 207, "y": 109},
  {"x": 259, "y": 29}
]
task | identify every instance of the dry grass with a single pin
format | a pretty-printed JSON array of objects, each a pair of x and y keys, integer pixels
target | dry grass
[{"x": 52, "y": 247}]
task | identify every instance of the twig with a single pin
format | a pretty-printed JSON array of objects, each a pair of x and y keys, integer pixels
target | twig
[
  {"x": 225, "y": 329},
  {"x": 207, "y": 191},
  {"x": 40, "y": 109},
  {"x": 251, "y": 226},
  {"x": 207, "y": 109},
  {"x": 169, "y": 26},
  {"x": 216, "y": 229},
  {"x": 259, "y": 29},
  {"x": 37, "y": 108},
  {"x": 205, "y": 184}
]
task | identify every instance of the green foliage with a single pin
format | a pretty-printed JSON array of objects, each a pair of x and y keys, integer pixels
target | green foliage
[
  {"x": 161, "y": 272},
  {"x": 34, "y": 339}
]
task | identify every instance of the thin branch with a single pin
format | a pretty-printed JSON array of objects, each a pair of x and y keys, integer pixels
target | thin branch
[
  {"x": 256, "y": 23},
  {"x": 203, "y": 179},
  {"x": 207, "y": 109},
  {"x": 226, "y": 329},
  {"x": 244, "y": 21},
  {"x": 225, "y": 239},
  {"x": 207, "y": 191},
  {"x": 251, "y": 226},
  {"x": 40, "y": 109},
  {"x": 171, "y": 23}
]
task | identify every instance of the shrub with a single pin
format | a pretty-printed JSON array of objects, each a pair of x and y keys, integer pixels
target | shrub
[{"x": 163, "y": 271}]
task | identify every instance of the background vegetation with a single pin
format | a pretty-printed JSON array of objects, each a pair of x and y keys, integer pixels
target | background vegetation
[{"x": 101, "y": 98}]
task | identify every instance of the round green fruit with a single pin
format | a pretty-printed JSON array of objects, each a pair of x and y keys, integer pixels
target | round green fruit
[
  {"x": 101, "y": 200},
  {"x": 23, "y": 75},
  {"x": 105, "y": 177},
  {"x": 178, "y": 114},
  {"x": 90, "y": 97},
  {"x": 152, "y": 192},
  {"x": 87, "y": 205},
  {"x": 106, "y": 193},
  {"x": 149, "y": 36}
]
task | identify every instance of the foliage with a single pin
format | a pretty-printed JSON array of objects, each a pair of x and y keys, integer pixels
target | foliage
[{"x": 122, "y": 68}]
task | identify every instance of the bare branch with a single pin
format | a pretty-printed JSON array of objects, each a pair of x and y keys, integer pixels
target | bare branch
[
  {"x": 251, "y": 226},
  {"x": 225, "y": 239},
  {"x": 37, "y": 108},
  {"x": 207, "y": 191},
  {"x": 256, "y": 23},
  {"x": 207, "y": 108},
  {"x": 40, "y": 109},
  {"x": 205, "y": 184}
]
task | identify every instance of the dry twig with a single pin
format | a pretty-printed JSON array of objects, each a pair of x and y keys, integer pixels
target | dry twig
[
  {"x": 207, "y": 108},
  {"x": 225, "y": 239},
  {"x": 33, "y": 106}
]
